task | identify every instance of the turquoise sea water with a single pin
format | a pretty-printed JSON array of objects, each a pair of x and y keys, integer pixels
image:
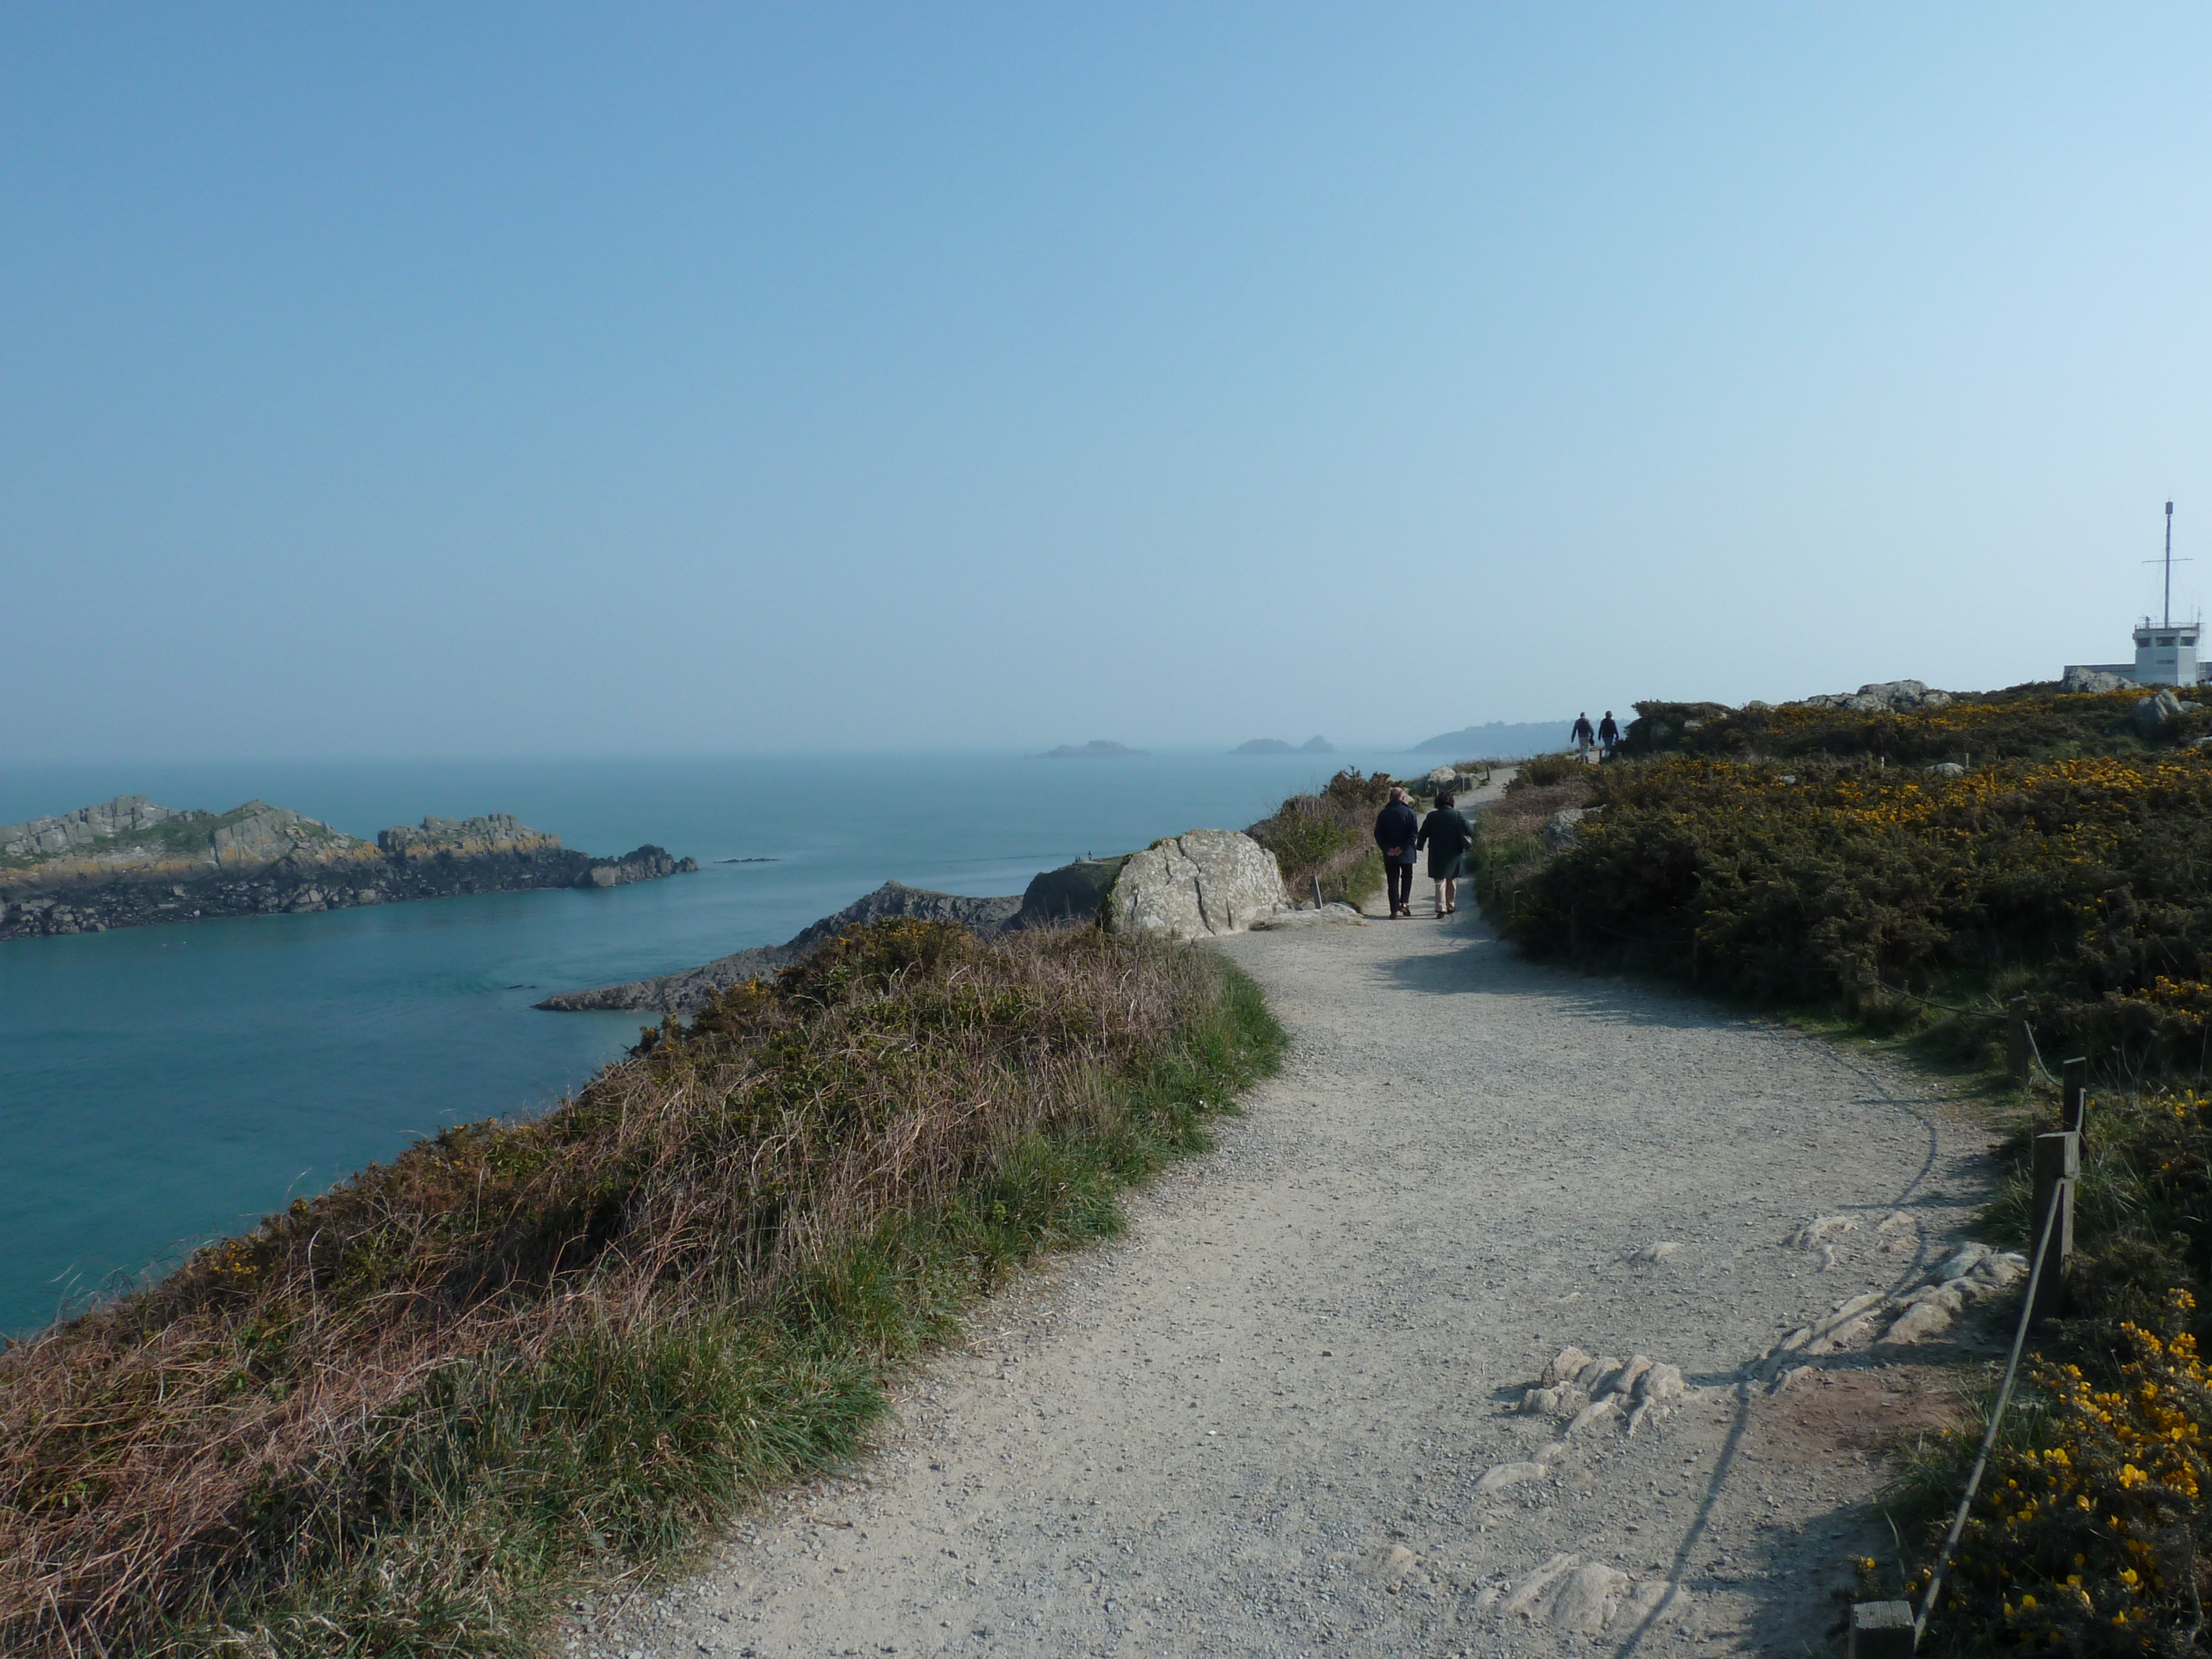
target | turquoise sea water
[{"x": 160, "y": 1086}]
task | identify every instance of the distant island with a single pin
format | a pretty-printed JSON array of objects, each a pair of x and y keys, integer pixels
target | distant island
[
  {"x": 1501, "y": 739},
  {"x": 1096, "y": 748},
  {"x": 1277, "y": 747},
  {"x": 129, "y": 863}
]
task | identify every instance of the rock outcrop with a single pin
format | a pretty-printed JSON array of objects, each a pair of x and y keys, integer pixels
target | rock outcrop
[
  {"x": 1196, "y": 885},
  {"x": 44, "y": 837},
  {"x": 2092, "y": 679},
  {"x": 131, "y": 863},
  {"x": 1074, "y": 892},
  {"x": 1449, "y": 779},
  {"x": 484, "y": 837},
  {"x": 2154, "y": 714},
  {"x": 1973, "y": 1273},
  {"x": 1561, "y": 827},
  {"x": 1889, "y": 696}
]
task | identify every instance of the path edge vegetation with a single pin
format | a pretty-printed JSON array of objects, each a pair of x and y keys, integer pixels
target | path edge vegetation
[
  {"x": 569, "y": 1428},
  {"x": 1895, "y": 879}
]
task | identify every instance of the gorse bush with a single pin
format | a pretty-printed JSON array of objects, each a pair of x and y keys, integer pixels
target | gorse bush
[
  {"x": 2030, "y": 723},
  {"x": 396, "y": 1419},
  {"x": 1842, "y": 883},
  {"x": 2087, "y": 1535},
  {"x": 2087, "y": 1540},
  {"x": 1544, "y": 772}
]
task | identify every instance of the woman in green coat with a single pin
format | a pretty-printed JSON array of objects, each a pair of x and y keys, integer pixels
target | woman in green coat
[{"x": 1447, "y": 835}]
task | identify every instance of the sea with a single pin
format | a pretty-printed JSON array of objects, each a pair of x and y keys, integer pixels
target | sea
[{"x": 163, "y": 1086}]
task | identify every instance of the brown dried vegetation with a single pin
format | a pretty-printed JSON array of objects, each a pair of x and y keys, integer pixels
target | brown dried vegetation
[{"x": 398, "y": 1417}]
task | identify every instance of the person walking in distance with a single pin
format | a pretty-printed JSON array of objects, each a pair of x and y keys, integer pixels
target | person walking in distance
[
  {"x": 1608, "y": 735},
  {"x": 1396, "y": 829},
  {"x": 1447, "y": 835},
  {"x": 1583, "y": 735}
]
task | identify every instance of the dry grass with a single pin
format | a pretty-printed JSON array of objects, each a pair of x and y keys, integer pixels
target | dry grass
[
  {"x": 1521, "y": 810},
  {"x": 392, "y": 1417}
]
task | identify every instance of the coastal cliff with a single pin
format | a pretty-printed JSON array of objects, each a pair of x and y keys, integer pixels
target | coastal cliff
[{"x": 130, "y": 863}]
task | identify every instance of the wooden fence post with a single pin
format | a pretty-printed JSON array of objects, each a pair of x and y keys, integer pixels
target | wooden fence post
[
  {"x": 1881, "y": 1630},
  {"x": 2075, "y": 1092},
  {"x": 2057, "y": 1167},
  {"x": 2016, "y": 1044}
]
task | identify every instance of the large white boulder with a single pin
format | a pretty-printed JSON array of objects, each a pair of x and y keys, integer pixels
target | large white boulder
[
  {"x": 1196, "y": 885},
  {"x": 2092, "y": 679}
]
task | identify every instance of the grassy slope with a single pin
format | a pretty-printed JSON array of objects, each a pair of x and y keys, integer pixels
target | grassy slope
[{"x": 406, "y": 1418}]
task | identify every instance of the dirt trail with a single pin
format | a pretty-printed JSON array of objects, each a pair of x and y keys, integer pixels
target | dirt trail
[{"x": 1263, "y": 1422}]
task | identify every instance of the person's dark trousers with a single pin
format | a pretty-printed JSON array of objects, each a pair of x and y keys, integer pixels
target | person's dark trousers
[{"x": 1401, "y": 879}]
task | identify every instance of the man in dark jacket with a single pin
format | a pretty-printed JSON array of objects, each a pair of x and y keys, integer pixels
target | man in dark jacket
[
  {"x": 1582, "y": 736},
  {"x": 1608, "y": 734},
  {"x": 1396, "y": 829}
]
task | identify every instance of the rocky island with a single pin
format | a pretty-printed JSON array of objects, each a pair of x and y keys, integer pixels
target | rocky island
[
  {"x": 129, "y": 862},
  {"x": 1277, "y": 747},
  {"x": 1096, "y": 748}
]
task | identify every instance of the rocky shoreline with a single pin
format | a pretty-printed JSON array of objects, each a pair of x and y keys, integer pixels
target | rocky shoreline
[{"x": 130, "y": 863}]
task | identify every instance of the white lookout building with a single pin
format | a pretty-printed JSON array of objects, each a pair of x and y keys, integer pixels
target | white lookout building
[{"x": 2166, "y": 652}]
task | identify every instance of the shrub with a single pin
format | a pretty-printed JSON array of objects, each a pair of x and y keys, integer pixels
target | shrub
[
  {"x": 1327, "y": 839},
  {"x": 2029, "y": 722},
  {"x": 1840, "y": 883},
  {"x": 2084, "y": 1535},
  {"x": 1347, "y": 789},
  {"x": 1305, "y": 832},
  {"x": 1546, "y": 772}
]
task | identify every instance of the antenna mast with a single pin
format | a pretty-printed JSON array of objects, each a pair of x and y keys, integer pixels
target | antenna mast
[{"x": 2168, "y": 623}]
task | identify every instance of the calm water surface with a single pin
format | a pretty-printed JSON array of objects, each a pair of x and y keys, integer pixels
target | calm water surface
[{"x": 162, "y": 1085}]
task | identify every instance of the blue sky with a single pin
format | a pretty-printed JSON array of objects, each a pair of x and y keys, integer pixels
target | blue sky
[{"x": 550, "y": 380}]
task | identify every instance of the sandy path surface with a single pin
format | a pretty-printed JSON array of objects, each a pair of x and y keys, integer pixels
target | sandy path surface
[{"x": 1263, "y": 1421}]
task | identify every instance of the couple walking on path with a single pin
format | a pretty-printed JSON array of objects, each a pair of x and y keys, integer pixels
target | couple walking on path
[
  {"x": 1446, "y": 834},
  {"x": 1605, "y": 734}
]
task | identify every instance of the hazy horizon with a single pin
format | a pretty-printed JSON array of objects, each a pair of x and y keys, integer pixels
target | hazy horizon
[{"x": 556, "y": 381}]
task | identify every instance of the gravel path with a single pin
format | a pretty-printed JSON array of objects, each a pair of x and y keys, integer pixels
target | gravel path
[{"x": 1272, "y": 1418}]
